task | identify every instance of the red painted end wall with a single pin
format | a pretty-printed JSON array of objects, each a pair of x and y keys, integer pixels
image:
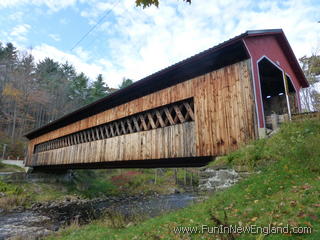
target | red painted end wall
[{"x": 268, "y": 46}]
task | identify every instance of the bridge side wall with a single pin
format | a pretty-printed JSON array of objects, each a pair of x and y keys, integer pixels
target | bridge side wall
[
  {"x": 224, "y": 119},
  {"x": 174, "y": 141}
]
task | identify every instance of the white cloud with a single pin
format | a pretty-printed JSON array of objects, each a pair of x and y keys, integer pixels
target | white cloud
[
  {"x": 82, "y": 54},
  {"x": 143, "y": 41},
  {"x": 19, "y": 32},
  {"x": 53, "y": 5},
  {"x": 55, "y": 37},
  {"x": 79, "y": 60},
  {"x": 151, "y": 39}
]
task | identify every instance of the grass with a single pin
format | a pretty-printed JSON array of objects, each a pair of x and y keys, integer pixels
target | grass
[
  {"x": 12, "y": 196},
  {"x": 24, "y": 194},
  {"x": 286, "y": 191}
]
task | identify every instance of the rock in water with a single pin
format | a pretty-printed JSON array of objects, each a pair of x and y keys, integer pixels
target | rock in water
[{"x": 217, "y": 179}]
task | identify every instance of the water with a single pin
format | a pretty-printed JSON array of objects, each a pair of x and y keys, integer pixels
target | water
[
  {"x": 27, "y": 225},
  {"x": 155, "y": 206},
  {"x": 31, "y": 225}
]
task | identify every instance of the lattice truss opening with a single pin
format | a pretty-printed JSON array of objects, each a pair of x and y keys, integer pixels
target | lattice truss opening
[{"x": 168, "y": 115}]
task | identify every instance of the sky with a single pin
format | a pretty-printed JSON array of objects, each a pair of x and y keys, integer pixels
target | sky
[{"x": 133, "y": 42}]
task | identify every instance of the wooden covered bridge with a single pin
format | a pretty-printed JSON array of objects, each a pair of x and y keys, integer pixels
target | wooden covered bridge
[{"x": 183, "y": 115}]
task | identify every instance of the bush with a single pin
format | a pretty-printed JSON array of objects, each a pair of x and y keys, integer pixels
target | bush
[
  {"x": 10, "y": 189},
  {"x": 97, "y": 188},
  {"x": 13, "y": 196}
]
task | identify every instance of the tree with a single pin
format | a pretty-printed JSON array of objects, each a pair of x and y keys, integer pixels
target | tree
[
  {"x": 10, "y": 94},
  {"x": 125, "y": 83},
  {"x": 8, "y": 53},
  {"x": 80, "y": 89},
  {"x": 25, "y": 79},
  {"x": 52, "y": 79},
  {"x": 148, "y": 3},
  {"x": 33, "y": 94},
  {"x": 316, "y": 98},
  {"x": 68, "y": 71},
  {"x": 311, "y": 96},
  {"x": 8, "y": 60},
  {"x": 13, "y": 99},
  {"x": 98, "y": 89}
]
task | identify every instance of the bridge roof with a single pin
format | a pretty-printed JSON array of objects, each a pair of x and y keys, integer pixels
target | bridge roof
[{"x": 226, "y": 53}]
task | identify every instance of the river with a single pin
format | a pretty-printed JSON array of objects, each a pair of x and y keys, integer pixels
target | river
[{"x": 42, "y": 220}]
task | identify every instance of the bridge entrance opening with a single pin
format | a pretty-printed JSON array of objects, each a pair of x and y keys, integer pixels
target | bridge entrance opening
[{"x": 278, "y": 94}]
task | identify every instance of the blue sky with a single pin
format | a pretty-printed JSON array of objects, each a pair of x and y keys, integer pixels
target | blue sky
[{"x": 134, "y": 42}]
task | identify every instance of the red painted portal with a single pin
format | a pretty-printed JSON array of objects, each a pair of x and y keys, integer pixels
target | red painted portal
[{"x": 268, "y": 46}]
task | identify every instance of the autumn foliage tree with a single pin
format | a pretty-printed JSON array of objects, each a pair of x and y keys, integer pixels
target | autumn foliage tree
[
  {"x": 311, "y": 96},
  {"x": 33, "y": 94}
]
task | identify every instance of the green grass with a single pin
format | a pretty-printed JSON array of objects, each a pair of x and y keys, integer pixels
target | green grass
[
  {"x": 25, "y": 194},
  {"x": 12, "y": 196},
  {"x": 286, "y": 191}
]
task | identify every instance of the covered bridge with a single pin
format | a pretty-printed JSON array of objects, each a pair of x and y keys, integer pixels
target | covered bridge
[{"x": 183, "y": 115}]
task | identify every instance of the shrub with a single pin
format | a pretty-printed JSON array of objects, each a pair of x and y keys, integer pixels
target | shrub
[
  {"x": 10, "y": 189},
  {"x": 13, "y": 196},
  {"x": 11, "y": 201}
]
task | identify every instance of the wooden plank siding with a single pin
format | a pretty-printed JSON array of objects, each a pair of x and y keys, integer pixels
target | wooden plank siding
[
  {"x": 224, "y": 119},
  {"x": 178, "y": 141},
  {"x": 172, "y": 114}
]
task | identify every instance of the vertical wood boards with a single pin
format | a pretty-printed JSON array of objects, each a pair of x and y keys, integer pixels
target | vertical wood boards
[
  {"x": 178, "y": 141},
  {"x": 223, "y": 112}
]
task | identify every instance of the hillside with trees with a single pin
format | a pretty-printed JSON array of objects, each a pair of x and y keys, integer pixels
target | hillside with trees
[{"x": 33, "y": 94}]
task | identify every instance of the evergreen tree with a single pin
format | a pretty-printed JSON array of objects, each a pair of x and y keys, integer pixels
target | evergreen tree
[
  {"x": 98, "y": 89},
  {"x": 125, "y": 83},
  {"x": 80, "y": 90}
]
